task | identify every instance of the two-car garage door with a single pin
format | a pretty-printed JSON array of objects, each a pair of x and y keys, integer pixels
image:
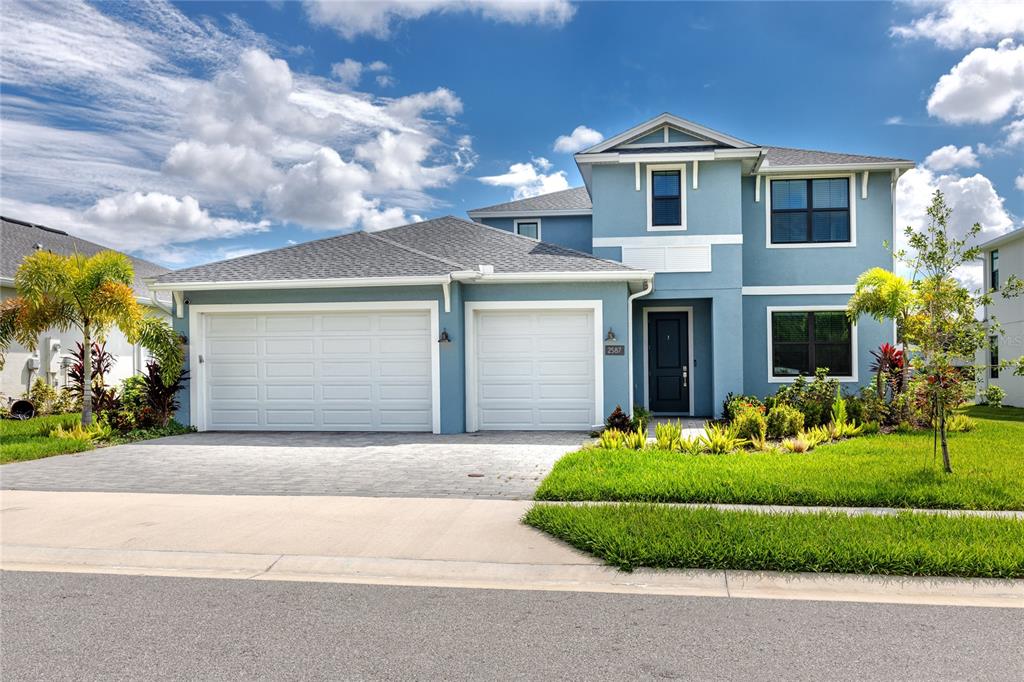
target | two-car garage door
[{"x": 339, "y": 371}]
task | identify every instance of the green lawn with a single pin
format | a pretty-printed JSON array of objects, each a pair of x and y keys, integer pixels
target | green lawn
[
  {"x": 29, "y": 439},
  {"x": 894, "y": 470},
  {"x": 636, "y": 534}
]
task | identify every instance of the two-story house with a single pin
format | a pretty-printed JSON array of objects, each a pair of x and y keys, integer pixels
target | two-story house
[
  {"x": 692, "y": 264},
  {"x": 1004, "y": 256}
]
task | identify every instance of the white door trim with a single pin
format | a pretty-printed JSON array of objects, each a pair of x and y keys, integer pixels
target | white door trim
[
  {"x": 595, "y": 306},
  {"x": 197, "y": 343},
  {"x": 647, "y": 352}
]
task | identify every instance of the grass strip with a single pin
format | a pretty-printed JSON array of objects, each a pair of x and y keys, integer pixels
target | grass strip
[
  {"x": 895, "y": 470},
  {"x": 21, "y": 441},
  {"x": 636, "y": 534}
]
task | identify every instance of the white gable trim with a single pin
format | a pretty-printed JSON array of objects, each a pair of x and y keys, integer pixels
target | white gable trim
[{"x": 666, "y": 119}]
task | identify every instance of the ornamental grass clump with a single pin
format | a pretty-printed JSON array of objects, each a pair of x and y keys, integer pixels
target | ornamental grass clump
[{"x": 720, "y": 439}]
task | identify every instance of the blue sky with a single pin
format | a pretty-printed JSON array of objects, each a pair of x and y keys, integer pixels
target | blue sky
[{"x": 197, "y": 131}]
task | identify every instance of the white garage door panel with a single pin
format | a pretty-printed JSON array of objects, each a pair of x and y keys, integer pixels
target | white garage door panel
[
  {"x": 332, "y": 371},
  {"x": 535, "y": 369}
]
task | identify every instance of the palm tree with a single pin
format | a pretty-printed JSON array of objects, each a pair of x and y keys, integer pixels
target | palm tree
[
  {"x": 92, "y": 294},
  {"x": 884, "y": 295}
]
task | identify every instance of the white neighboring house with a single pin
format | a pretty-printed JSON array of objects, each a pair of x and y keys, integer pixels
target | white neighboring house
[
  {"x": 52, "y": 357},
  {"x": 1004, "y": 256}
]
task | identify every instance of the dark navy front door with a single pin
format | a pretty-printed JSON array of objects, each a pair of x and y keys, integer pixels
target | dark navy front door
[{"x": 668, "y": 363}]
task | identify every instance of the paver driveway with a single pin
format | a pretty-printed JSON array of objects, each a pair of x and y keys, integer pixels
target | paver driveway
[{"x": 501, "y": 465}]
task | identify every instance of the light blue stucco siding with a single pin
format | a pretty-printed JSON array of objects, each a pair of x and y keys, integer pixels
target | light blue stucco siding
[
  {"x": 621, "y": 211},
  {"x": 870, "y": 334},
  {"x": 613, "y": 297},
  {"x": 764, "y": 266},
  {"x": 570, "y": 231}
]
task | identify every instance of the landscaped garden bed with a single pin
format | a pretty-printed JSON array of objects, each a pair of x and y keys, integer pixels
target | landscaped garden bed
[
  {"x": 663, "y": 536},
  {"x": 891, "y": 470}
]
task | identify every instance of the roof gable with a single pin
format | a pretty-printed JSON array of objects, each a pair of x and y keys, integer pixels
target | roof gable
[
  {"x": 574, "y": 201},
  {"x": 685, "y": 132}
]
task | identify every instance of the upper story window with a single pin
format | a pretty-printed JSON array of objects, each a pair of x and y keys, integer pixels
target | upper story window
[
  {"x": 993, "y": 262},
  {"x": 802, "y": 341},
  {"x": 666, "y": 197},
  {"x": 528, "y": 228},
  {"x": 810, "y": 211}
]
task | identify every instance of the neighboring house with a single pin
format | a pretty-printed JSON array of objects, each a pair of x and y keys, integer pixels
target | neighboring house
[
  {"x": 691, "y": 265},
  {"x": 51, "y": 359},
  {"x": 1004, "y": 256}
]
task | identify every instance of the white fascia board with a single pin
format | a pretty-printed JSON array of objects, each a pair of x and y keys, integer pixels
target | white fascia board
[
  {"x": 1002, "y": 239},
  {"x": 347, "y": 282},
  {"x": 668, "y": 157},
  {"x": 674, "y": 121},
  {"x": 766, "y": 169},
  {"x": 533, "y": 213}
]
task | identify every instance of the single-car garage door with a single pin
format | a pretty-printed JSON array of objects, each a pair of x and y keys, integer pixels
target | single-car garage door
[
  {"x": 534, "y": 369},
  {"x": 339, "y": 371}
]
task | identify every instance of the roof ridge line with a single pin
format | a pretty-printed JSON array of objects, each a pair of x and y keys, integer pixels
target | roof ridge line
[{"x": 410, "y": 249}]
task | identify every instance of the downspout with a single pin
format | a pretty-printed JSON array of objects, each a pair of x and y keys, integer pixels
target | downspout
[
  {"x": 648, "y": 288},
  {"x": 160, "y": 304}
]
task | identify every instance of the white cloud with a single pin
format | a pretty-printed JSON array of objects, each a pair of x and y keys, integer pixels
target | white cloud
[
  {"x": 580, "y": 138},
  {"x": 1018, "y": 182},
  {"x": 134, "y": 220},
  {"x": 973, "y": 199},
  {"x": 349, "y": 72},
  {"x": 894, "y": 121},
  {"x": 378, "y": 19},
  {"x": 950, "y": 156},
  {"x": 385, "y": 81},
  {"x": 965, "y": 23},
  {"x": 529, "y": 179},
  {"x": 238, "y": 172},
  {"x": 378, "y": 66},
  {"x": 986, "y": 85},
  {"x": 1014, "y": 133},
  {"x": 398, "y": 160},
  {"x": 328, "y": 193}
]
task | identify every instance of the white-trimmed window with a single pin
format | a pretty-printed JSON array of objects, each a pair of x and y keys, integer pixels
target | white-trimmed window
[
  {"x": 666, "y": 197},
  {"x": 808, "y": 212},
  {"x": 527, "y": 227},
  {"x": 803, "y": 339}
]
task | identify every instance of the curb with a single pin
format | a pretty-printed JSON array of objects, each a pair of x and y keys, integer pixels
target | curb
[
  {"x": 544, "y": 577},
  {"x": 799, "y": 509}
]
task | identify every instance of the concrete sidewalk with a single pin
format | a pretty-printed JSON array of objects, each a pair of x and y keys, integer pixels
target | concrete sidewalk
[{"x": 426, "y": 542}]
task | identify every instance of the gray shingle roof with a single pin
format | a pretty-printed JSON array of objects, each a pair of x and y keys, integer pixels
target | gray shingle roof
[
  {"x": 576, "y": 199},
  {"x": 19, "y": 239},
  {"x": 431, "y": 248},
  {"x": 787, "y": 156}
]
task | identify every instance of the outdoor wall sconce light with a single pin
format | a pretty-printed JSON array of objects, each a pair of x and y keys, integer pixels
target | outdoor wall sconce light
[
  {"x": 444, "y": 338},
  {"x": 611, "y": 336}
]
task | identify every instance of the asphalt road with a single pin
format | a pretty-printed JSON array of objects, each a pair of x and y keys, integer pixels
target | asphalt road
[{"x": 79, "y": 626}]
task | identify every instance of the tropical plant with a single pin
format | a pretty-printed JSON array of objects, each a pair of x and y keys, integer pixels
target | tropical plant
[
  {"x": 994, "y": 395},
  {"x": 839, "y": 409},
  {"x": 610, "y": 439},
  {"x": 870, "y": 428},
  {"x": 888, "y": 366},
  {"x": 736, "y": 403},
  {"x": 634, "y": 439},
  {"x": 796, "y": 445},
  {"x": 815, "y": 436},
  {"x": 719, "y": 439},
  {"x": 104, "y": 398},
  {"x": 784, "y": 421},
  {"x": 618, "y": 420},
  {"x": 66, "y": 402},
  {"x": 813, "y": 398},
  {"x": 98, "y": 431},
  {"x": 162, "y": 395},
  {"x": 92, "y": 294},
  {"x": 884, "y": 295},
  {"x": 691, "y": 445},
  {"x": 960, "y": 423},
  {"x": 668, "y": 436}
]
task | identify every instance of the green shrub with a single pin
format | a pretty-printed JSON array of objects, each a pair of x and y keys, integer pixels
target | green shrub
[
  {"x": 905, "y": 427},
  {"x": 734, "y": 404},
  {"x": 43, "y": 396},
  {"x": 784, "y": 421},
  {"x": 960, "y": 423},
  {"x": 719, "y": 439},
  {"x": 870, "y": 428},
  {"x": 66, "y": 402},
  {"x": 994, "y": 395},
  {"x": 751, "y": 425},
  {"x": 814, "y": 398},
  {"x": 641, "y": 418}
]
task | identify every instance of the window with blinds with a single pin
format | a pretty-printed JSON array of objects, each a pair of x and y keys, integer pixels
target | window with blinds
[
  {"x": 666, "y": 198},
  {"x": 810, "y": 211},
  {"x": 805, "y": 341}
]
